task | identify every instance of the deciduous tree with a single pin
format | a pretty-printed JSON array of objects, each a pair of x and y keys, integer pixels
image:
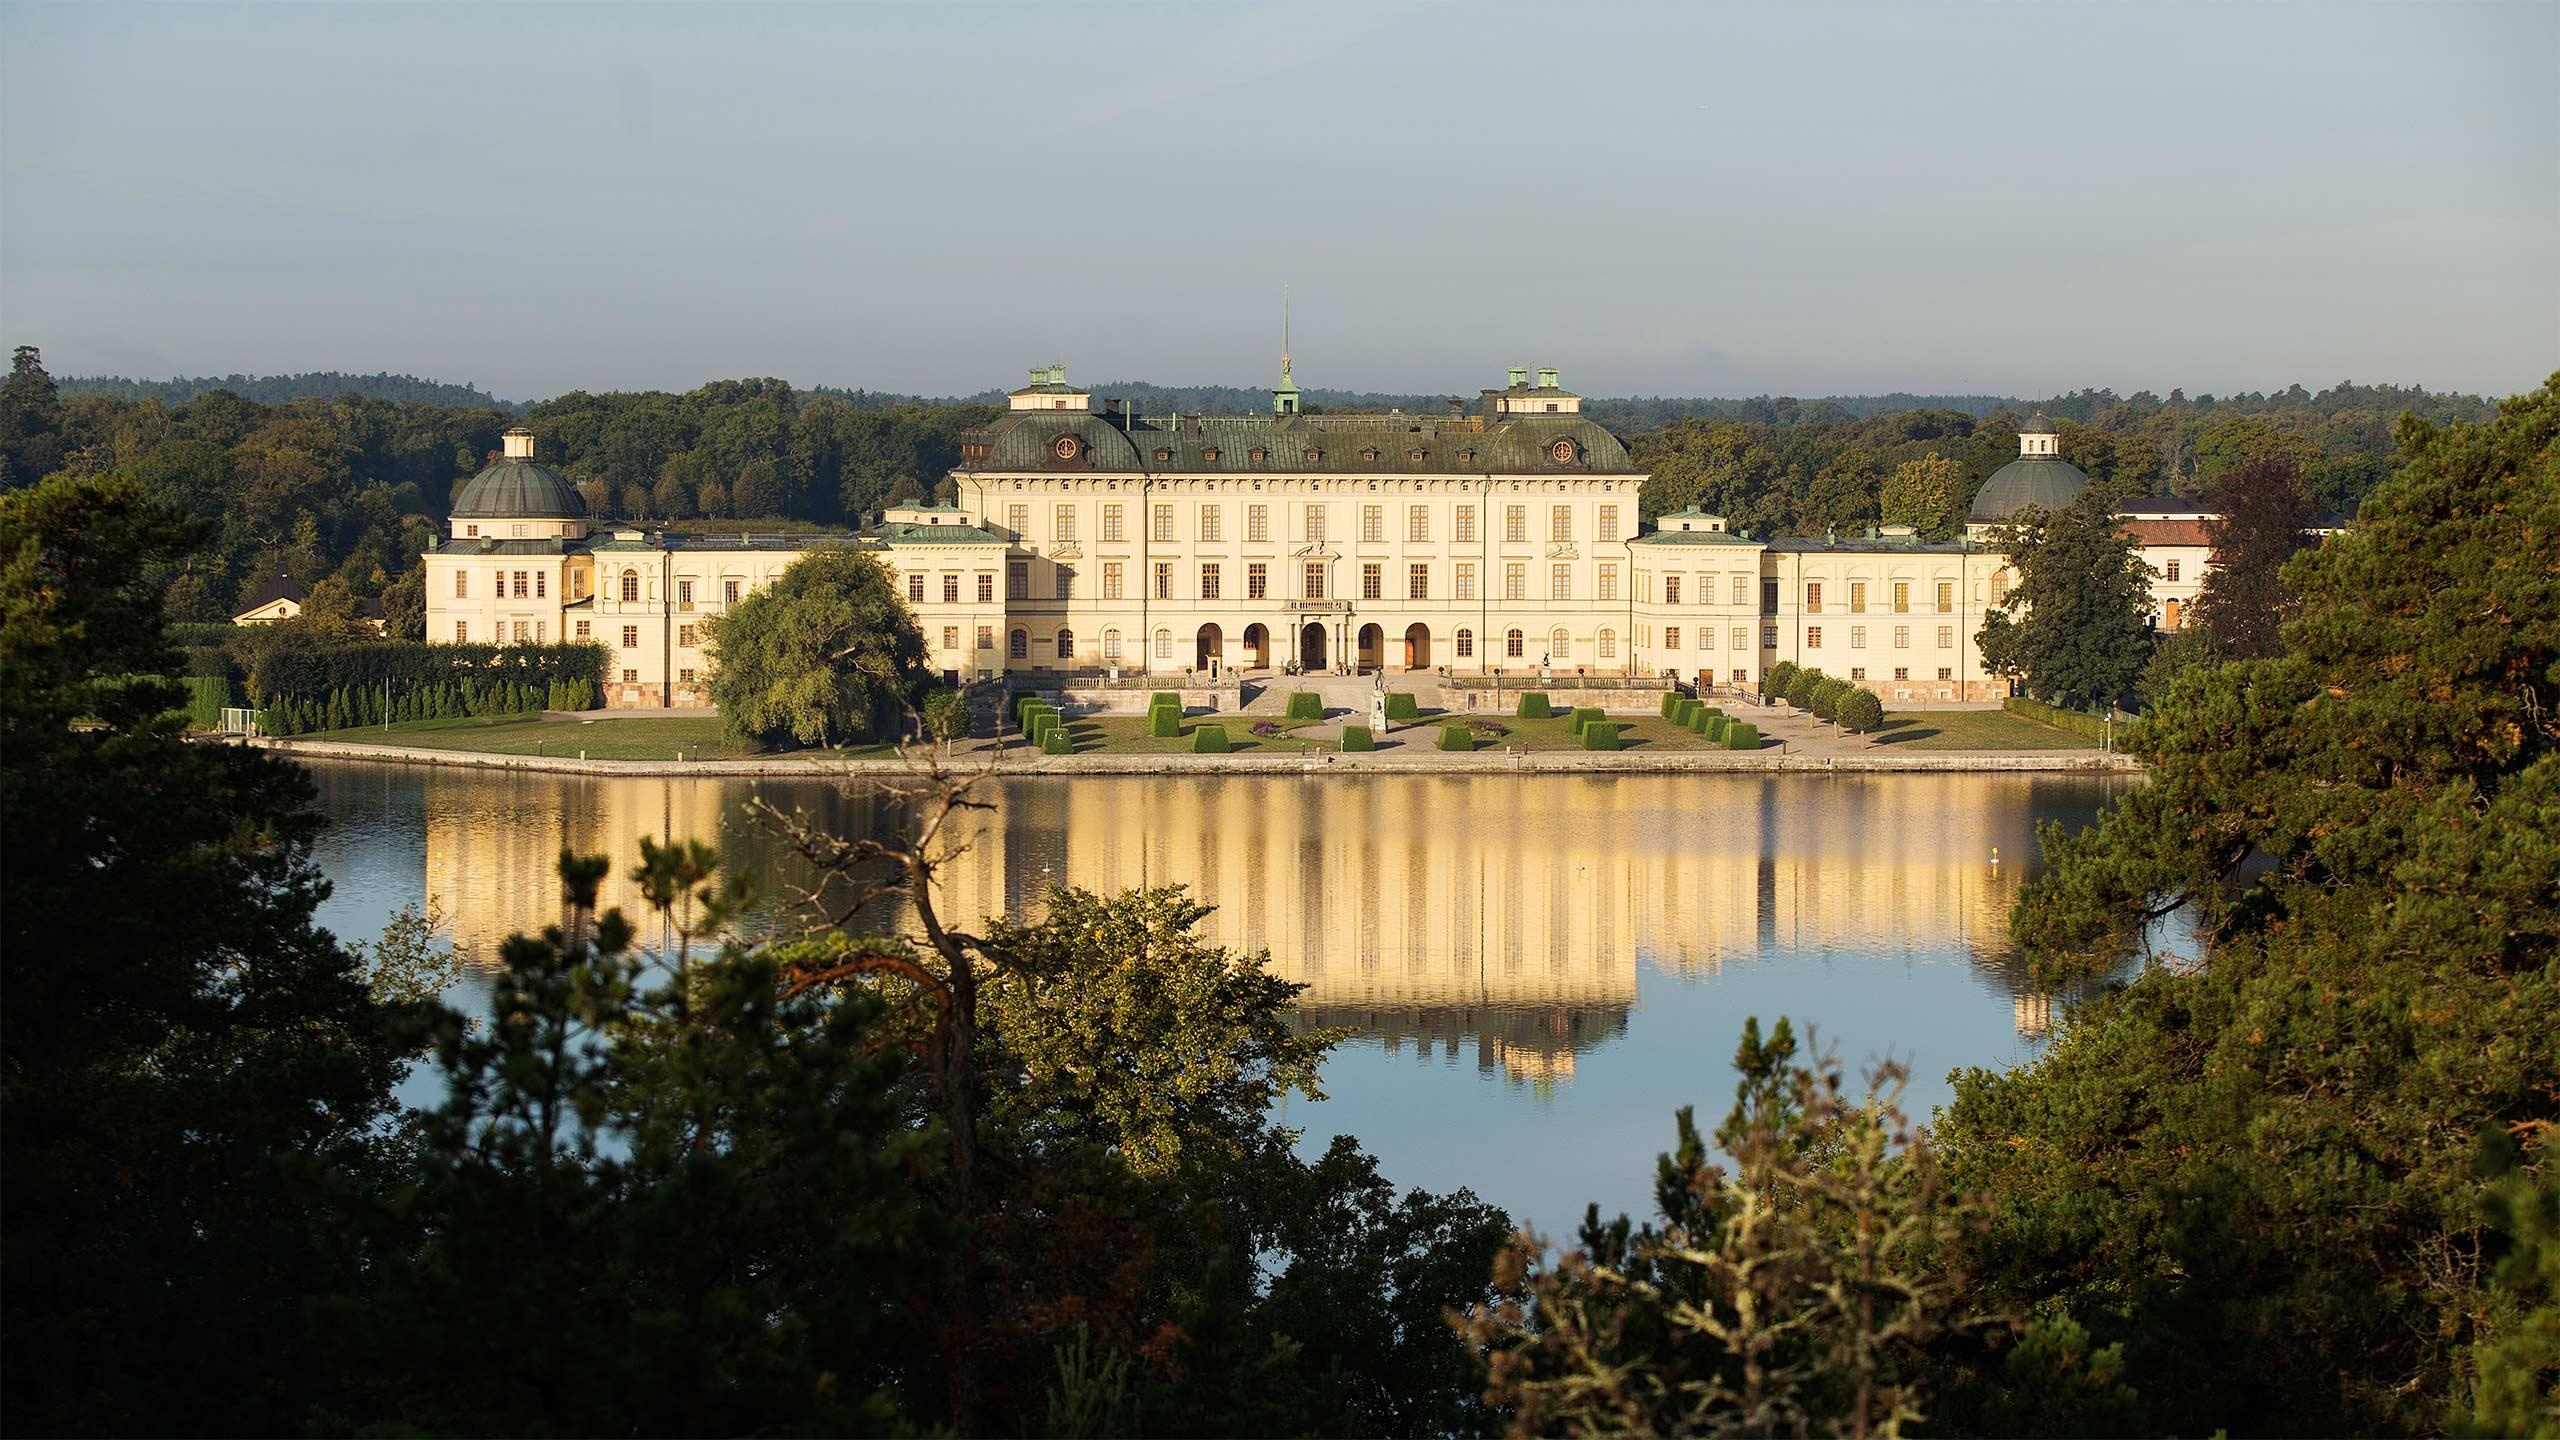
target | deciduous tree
[
  {"x": 826, "y": 655},
  {"x": 2084, "y": 634}
]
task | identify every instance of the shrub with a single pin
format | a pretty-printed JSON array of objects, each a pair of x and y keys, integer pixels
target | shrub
[
  {"x": 1209, "y": 740},
  {"x": 1686, "y": 711},
  {"x": 1827, "y": 691},
  {"x": 1055, "y": 742},
  {"x": 1023, "y": 704},
  {"x": 1164, "y": 721},
  {"x": 1269, "y": 729},
  {"x": 1490, "y": 729},
  {"x": 2087, "y": 727},
  {"x": 1583, "y": 715},
  {"x": 1672, "y": 700},
  {"x": 1714, "y": 727},
  {"x": 1533, "y": 706},
  {"x": 1044, "y": 723},
  {"x": 1165, "y": 697},
  {"x": 1600, "y": 735},
  {"x": 1456, "y": 737},
  {"x": 1356, "y": 738},
  {"x": 206, "y": 695},
  {"x": 1800, "y": 689},
  {"x": 1305, "y": 705},
  {"x": 1741, "y": 735},
  {"x": 1779, "y": 679},
  {"x": 1401, "y": 705},
  {"x": 1861, "y": 711}
]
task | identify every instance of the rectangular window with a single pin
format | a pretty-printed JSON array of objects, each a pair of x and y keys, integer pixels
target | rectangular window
[
  {"x": 586, "y": 629},
  {"x": 1608, "y": 644},
  {"x": 1857, "y": 672},
  {"x": 1017, "y": 579},
  {"x": 1670, "y": 589},
  {"x": 1946, "y": 637},
  {"x": 1164, "y": 644},
  {"x": 1608, "y": 523},
  {"x": 461, "y": 584},
  {"x": 630, "y": 676},
  {"x": 1813, "y": 637},
  {"x": 1813, "y": 597},
  {"x": 1741, "y": 589},
  {"x": 1857, "y": 597},
  {"x": 1741, "y": 638},
  {"x": 729, "y": 592},
  {"x": 1062, "y": 518},
  {"x": 1559, "y": 523},
  {"x": 684, "y": 594},
  {"x": 1209, "y": 522},
  {"x": 1111, "y": 523},
  {"x": 1372, "y": 583},
  {"x": 1608, "y": 581},
  {"x": 1257, "y": 581},
  {"x": 523, "y": 586},
  {"x": 1515, "y": 524},
  {"x": 2172, "y": 575},
  {"x": 1373, "y": 524},
  {"x": 685, "y": 675},
  {"x": 1163, "y": 525},
  {"x": 950, "y": 589},
  {"x": 1515, "y": 581},
  {"x": 1315, "y": 524},
  {"x": 1315, "y": 579},
  {"x": 1209, "y": 581},
  {"x": 541, "y": 585},
  {"x": 986, "y": 589},
  {"x": 684, "y": 636},
  {"x": 1164, "y": 579},
  {"x": 1466, "y": 644},
  {"x": 1515, "y": 645},
  {"x": 986, "y": 637},
  {"x": 1466, "y": 579},
  {"x": 1417, "y": 582},
  {"x": 1901, "y": 597},
  {"x": 1110, "y": 579},
  {"x": 630, "y": 637},
  {"x": 1466, "y": 524},
  {"x": 1901, "y": 672},
  {"x": 1768, "y": 597},
  {"x": 915, "y": 588},
  {"x": 1065, "y": 579},
  {"x": 1257, "y": 523},
  {"x": 1559, "y": 582},
  {"x": 1768, "y": 637},
  {"x": 461, "y": 632},
  {"x": 1945, "y": 673},
  {"x": 1670, "y": 637},
  {"x": 1017, "y": 521},
  {"x": 1857, "y": 637},
  {"x": 1901, "y": 637},
  {"x": 1946, "y": 597},
  {"x": 1417, "y": 524},
  {"x": 950, "y": 637}
]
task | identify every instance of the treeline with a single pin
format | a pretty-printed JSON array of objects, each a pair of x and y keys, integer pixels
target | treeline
[{"x": 278, "y": 389}]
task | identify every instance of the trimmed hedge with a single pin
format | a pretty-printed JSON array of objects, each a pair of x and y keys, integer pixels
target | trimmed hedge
[
  {"x": 1356, "y": 738},
  {"x": 1672, "y": 700},
  {"x": 1600, "y": 735},
  {"x": 1305, "y": 705},
  {"x": 1741, "y": 736},
  {"x": 2087, "y": 727},
  {"x": 1686, "y": 711},
  {"x": 301, "y": 687},
  {"x": 1164, "y": 721},
  {"x": 1533, "y": 706},
  {"x": 1056, "y": 742},
  {"x": 1583, "y": 715},
  {"x": 1165, "y": 697},
  {"x": 1024, "y": 703},
  {"x": 1456, "y": 737},
  {"x": 1044, "y": 723},
  {"x": 1714, "y": 725},
  {"x": 1209, "y": 740},
  {"x": 1401, "y": 705}
]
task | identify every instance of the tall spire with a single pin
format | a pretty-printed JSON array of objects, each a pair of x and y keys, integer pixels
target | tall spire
[{"x": 1284, "y": 396}]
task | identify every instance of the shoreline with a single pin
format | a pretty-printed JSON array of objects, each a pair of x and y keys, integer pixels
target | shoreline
[{"x": 1423, "y": 763}]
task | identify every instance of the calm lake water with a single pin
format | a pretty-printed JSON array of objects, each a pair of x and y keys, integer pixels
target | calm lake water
[{"x": 1537, "y": 969}]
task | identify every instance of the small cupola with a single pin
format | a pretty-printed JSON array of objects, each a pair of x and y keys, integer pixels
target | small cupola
[
  {"x": 2038, "y": 441},
  {"x": 516, "y": 444}
]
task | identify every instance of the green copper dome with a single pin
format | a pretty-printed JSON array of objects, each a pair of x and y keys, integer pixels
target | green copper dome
[
  {"x": 518, "y": 489},
  {"x": 2048, "y": 481}
]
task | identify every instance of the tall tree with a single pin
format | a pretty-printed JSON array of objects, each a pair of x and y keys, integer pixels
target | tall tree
[
  {"x": 1921, "y": 493},
  {"x": 2263, "y": 506},
  {"x": 2084, "y": 634},
  {"x": 827, "y": 655},
  {"x": 30, "y": 421},
  {"x": 2260, "y": 1172}
]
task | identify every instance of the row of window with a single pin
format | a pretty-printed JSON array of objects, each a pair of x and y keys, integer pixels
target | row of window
[
  {"x": 1946, "y": 596},
  {"x": 500, "y": 582},
  {"x": 629, "y": 590},
  {"x": 1901, "y": 637},
  {"x": 1209, "y": 523}
]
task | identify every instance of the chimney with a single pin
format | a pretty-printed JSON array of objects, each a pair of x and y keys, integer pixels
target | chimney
[{"x": 1547, "y": 377}]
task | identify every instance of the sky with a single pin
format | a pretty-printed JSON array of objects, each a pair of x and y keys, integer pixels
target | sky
[{"x": 1682, "y": 199}]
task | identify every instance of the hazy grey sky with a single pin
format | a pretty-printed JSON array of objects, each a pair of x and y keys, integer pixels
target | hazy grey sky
[{"x": 1672, "y": 199}]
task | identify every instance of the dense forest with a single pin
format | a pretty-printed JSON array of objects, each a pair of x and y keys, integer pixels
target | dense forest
[{"x": 350, "y": 476}]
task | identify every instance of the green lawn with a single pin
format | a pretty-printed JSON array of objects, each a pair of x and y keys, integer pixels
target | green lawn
[
  {"x": 696, "y": 737},
  {"x": 1973, "y": 730},
  {"x": 1127, "y": 735},
  {"x": 1635, "y": 732}
]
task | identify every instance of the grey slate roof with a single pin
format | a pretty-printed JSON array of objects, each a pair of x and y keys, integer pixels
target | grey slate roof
[
  {"x": 1691, "y": 537},
  {"x": 519, "y": 490},
  {"x": 274, "y": 588},
  {"x": 902, "y": 532},
  {"x": 1391, "y": 444},
  {"x": 2044, "y": 480}
]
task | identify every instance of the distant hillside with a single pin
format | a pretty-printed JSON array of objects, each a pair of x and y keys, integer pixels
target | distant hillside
[{"x": 277, "y": 389}]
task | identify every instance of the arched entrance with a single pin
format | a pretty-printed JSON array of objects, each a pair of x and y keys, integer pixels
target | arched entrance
[
  {"x": 1257, "y": 647},
  {"x": 1311, "y": 646},
  {"x": 1209, "y": 648},
  {"x": 1417, "y": 646},
  {"x": 1373, "y": 647}
]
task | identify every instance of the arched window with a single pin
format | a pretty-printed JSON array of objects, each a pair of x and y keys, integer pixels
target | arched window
[
  {"x": 1559, "y": 645},
  {"x": 630, "y": 585},
  {"x": 1608, "y": 644},
  {"x": 1018, "y": 645},
  {"x": 1066, "y": 644},
  {"x": 1466, "y": 644},
  {"x": 1164, "y": 644},
  {"x": 1110, "y": 647},
  {"x": 1515, "y": 645}
]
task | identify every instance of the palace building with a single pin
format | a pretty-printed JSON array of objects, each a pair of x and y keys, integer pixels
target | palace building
[{"x": 1082, "y": 542}]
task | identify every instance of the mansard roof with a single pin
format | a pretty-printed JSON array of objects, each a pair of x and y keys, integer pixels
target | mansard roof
[{"x": 1365, "y": 444}]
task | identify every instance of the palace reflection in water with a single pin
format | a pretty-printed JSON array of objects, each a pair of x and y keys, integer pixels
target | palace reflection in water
[{"x": 1498, "y": 919}]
